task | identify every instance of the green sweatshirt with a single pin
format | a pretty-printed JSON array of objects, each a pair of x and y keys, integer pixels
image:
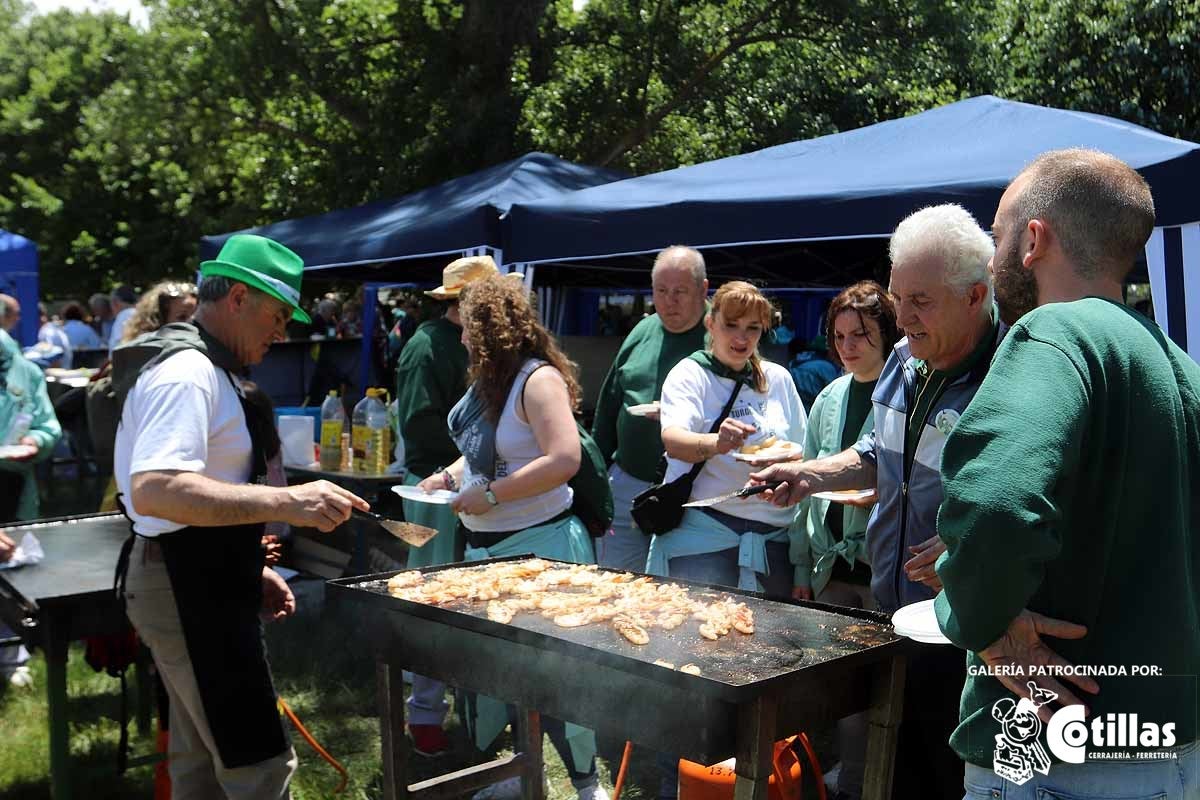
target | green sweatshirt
[
  {"x": 431, "y": 376},
  {"x": 636, "y": 376},
  {"x": 1072, "y": 488}
]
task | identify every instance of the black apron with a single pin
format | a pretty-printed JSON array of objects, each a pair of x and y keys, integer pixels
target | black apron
[{"x": 216, "y": 576}]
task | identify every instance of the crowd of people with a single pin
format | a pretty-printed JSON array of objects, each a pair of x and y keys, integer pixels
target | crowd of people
[{"x": 1024, "y": 445}]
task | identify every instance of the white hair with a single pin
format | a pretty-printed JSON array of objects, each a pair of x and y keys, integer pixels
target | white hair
[
  {"x": 950, "y": 234},
  {"x": 678, "y": 255}
]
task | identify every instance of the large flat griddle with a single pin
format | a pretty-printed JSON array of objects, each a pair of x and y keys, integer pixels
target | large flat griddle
[{"x": 789, "y": 638}]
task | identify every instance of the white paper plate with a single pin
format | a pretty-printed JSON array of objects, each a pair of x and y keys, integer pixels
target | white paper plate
[
  {"x": 919, "y": 622},
  {"x": 11, "y": 450},
  {"x": 439, "y": 497},
  {"x": 841, "y": 497},
  {"x": 774, "y": 451},
  {"x": 644, "y": 409}
]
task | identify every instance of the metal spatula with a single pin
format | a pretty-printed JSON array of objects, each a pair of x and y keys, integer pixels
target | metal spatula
[
  {"x": 746, "y": 492},
  {"x": 413, "y": 534}
]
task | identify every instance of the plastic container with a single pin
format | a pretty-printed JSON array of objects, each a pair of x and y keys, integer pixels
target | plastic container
[
  {"x": 371, "y": 434},
  {"x": 333, "y": 423},
  {"x": 715, "y": 782},
  {"x": 20, "y": 425}
]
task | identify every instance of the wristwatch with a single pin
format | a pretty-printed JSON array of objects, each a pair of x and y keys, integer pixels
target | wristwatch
[{"x": 490, "y": 496}]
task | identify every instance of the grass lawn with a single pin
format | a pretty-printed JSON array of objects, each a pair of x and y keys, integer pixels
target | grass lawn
[{"x": 325, "y": 675}]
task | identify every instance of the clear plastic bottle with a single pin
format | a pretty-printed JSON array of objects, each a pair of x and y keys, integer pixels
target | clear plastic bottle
[
  {"x": 379, "y": 437},
  {"x": 333, "y": 422},
  {"x": 19, "y": 426},
  {"x": 359, "y": 433},
  {"x": 371, "y": 434}
]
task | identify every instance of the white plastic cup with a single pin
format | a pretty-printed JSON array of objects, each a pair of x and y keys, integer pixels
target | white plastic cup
[{"x": 296, "y": 436}]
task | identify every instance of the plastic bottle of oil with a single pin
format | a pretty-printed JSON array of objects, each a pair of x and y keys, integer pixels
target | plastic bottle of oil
[
  {"x": 370, "y": 435},
  {"x": 358, "y": 434},
  {"x": 379, "y": 434},
  {"x": 333, "y": 422}
]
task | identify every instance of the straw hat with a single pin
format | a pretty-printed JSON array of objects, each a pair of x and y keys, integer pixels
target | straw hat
[{"x": 459, "y": 273}]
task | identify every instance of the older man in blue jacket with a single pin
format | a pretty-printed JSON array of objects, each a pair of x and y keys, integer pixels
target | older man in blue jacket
[{"x": 944, "y": 303}]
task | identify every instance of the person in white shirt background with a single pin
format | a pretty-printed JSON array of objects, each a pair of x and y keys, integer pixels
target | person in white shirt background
[{"x": 123, "y": 299}]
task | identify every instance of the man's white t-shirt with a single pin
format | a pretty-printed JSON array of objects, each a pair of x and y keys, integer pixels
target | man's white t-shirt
[
  {"x": 183, "y": 415},
  {"x": 692, "y": 399}
]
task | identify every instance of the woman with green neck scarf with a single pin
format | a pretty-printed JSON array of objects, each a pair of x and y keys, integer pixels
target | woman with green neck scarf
[{"x": 736, "y": 543}]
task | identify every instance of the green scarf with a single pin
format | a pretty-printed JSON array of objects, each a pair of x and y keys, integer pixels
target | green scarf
[{"x": 710, "y": 363}]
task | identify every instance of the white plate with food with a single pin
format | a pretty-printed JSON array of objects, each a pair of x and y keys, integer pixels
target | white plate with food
[
  {"x": 644, "y": 409},
  {"x": 777, "y": 449},
  {"x": 918, "y": 622},
  {"x": 846, "y": 495},
  {"x": 439, "y": 497}
]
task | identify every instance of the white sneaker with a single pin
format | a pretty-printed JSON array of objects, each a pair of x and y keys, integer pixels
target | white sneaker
[
  {"x": 508, "y": 789},
  {"x": 593, "y": 792},
  {"x": 21, "y": 678}
]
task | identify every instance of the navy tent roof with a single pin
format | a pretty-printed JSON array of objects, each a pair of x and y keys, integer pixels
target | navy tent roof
[
  {"x": 457, "y": 215},
  {"x": 859, "y": 183}
]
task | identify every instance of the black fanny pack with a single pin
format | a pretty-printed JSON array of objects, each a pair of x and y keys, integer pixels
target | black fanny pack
[{"x": 659, "y": 509}]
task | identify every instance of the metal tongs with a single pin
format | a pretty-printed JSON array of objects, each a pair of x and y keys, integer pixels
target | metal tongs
[{"x": 409, "y": 532}]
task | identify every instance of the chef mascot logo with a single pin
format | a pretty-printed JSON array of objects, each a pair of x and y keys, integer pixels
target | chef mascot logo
[{"x": 1019, "y": 752}]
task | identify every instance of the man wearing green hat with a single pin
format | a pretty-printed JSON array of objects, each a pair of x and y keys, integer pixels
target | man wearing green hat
[{"x": 187, "y": 462}]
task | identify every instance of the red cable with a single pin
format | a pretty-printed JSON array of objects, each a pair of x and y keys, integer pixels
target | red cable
[
  {"x": 308, "y": 737},
  {"x": 619, "y": 783}
]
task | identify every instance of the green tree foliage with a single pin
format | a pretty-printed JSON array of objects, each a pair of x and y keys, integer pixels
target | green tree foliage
[
  {"x": 651, "y": 84},
  {"x": 120, "y": 146},
  {"x": 1133, "y": 60}
]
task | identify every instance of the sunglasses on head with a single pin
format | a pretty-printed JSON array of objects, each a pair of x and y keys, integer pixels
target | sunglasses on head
[{"x": 174, "y": 290}]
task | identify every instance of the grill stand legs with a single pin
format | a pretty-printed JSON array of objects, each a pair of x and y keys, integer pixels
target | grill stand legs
[
  {"x": 396, "y": 751},
  {"x": 887, "y": 705},
  {"x": 755, "y": 748},
  {"x": 390, "y": 688}
]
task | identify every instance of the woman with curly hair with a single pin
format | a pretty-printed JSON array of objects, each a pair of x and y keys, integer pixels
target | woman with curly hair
[
  {"x": 164, "y": 303},
  {"x": 516, "y": 431}
]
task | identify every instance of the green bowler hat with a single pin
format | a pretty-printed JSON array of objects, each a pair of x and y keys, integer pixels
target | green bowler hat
[{"x": 263, "y": 264}]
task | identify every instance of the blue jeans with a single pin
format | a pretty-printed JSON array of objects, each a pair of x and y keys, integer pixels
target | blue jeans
[
  {"x": 721, "y": 569},
  {"x": 625, "y": 546},
  {"x": 1172, "y": 779}
]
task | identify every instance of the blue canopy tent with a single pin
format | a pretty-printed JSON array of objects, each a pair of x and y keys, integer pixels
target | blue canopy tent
[
  {"x": 856, "y": 186},
  {"x": 19, "y": 278},
  {"x": 454, "y": 218},
  {"x": 407, "y": 240}
]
